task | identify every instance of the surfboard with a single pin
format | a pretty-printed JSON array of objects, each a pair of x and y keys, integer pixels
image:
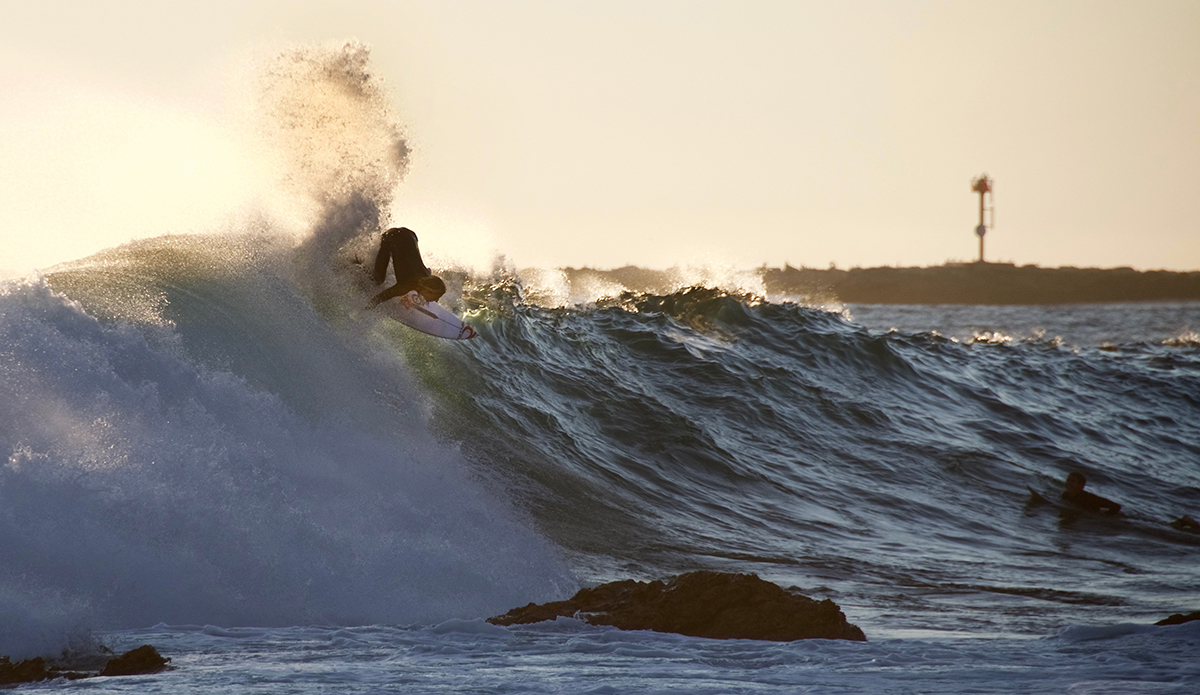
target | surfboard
[{"x": 416, "y": 312}]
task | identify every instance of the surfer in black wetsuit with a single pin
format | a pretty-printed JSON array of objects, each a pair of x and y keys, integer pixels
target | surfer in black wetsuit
[
  {"x": 399, "y": 246},
  {"x": 1081, "y": 500},
  {"x": 1078, "y": 497}
]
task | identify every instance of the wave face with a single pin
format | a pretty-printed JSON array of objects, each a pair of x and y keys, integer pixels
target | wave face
[
  {"x": 188, "y": 441},
  {"x": 888, "y": 470}
]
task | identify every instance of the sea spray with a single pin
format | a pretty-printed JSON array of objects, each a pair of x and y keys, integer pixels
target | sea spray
[
  {"x": 324, "y": 118},
  {"x": 195, "y": 429},
  {"x": 147, "y": 486}
]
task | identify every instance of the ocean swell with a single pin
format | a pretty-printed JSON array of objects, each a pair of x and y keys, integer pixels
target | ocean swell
[{"x": 705, "y": 428}]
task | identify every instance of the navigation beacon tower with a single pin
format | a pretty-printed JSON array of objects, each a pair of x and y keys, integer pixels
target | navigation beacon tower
[{"x": 983, "y": 186}]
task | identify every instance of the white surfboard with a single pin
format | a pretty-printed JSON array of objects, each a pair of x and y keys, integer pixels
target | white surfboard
[{"x": 415, "y": 311}]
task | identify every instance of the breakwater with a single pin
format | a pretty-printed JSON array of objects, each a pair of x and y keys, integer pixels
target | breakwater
[{"x": 952, "y": 283}]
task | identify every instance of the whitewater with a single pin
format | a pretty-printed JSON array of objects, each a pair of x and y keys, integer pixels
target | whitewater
[{"x": 207, "y": 444}]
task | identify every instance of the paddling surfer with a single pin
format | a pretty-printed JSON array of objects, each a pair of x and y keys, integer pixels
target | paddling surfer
[
  {"x": 399, "y": 247},
  {"x": 1082, "y": 499}
]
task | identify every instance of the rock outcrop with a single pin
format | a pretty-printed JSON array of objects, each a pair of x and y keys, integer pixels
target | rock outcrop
[
  {"x": 717, "y": 605},
  {"x": 984, "y": 283},
  {"x": 27, "y": 671},
  {"x": 952, "y": 283},
  {"x": 1179, "y": 618},
  {"x": 144, "y": 659}
]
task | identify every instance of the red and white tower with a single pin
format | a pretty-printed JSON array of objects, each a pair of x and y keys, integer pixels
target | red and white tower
[{"x": 983, "y": 186}]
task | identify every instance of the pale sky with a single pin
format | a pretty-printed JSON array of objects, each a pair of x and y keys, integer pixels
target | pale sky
[{"x": 650, "y": 132}]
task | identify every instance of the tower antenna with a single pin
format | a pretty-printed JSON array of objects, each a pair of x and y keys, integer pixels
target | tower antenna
[{"x": 983, "y": 186}]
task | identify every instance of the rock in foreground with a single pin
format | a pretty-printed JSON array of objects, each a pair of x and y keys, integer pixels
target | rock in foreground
[
  {"x": 144, "y": 659},
  {"x": 717, "y": 605},
  {"x": 1179, "y": 618}
]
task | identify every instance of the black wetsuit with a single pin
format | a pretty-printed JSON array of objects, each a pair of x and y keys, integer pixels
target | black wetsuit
[
  {"x": 399, "y": 245},
  {"x": 1092, "y": 503}
]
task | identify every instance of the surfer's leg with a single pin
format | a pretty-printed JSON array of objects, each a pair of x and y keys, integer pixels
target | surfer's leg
[
  {"x": 379, "y": 274},
  {"x": 387, "y": 249}
]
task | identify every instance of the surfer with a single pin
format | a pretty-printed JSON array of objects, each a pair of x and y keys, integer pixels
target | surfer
[
  {"x": 399, "y": 246},
  {"x": 1078, "y": 497},
  {"x": 1186, "y": 523},
  {"x": 1082, "y": 501}
]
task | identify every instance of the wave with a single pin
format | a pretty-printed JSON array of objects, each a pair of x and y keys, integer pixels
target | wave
[
  {"x": 231, "y": 459},
  {"x": 193, "y": 435},
  {"x": 710, "y": 428}
]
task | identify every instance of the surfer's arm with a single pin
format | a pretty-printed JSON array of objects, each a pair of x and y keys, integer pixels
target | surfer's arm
[
  {"x": 397, "y": 290},
  {"x": 413, "y": 299}
]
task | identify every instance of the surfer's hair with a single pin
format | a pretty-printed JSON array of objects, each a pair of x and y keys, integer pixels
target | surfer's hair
[{"x": 433, "y": 285}]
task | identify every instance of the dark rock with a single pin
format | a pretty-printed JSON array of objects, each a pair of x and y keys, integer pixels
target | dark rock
[
  {"x": 33, "y": 670},
  {"x": 27, "y": 671},
  {"x": 699, "y": 604},
  {"x": 144, "y": 659},
  {"x": 1179, "y": 618}
]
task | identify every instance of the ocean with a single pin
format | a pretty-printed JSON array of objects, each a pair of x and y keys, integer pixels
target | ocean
[
  {"x": 208, "y": 451},
  {"x": 209, "y": 445}
]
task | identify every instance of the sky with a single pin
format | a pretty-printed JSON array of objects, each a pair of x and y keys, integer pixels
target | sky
[{"x": 657, "y": 133}]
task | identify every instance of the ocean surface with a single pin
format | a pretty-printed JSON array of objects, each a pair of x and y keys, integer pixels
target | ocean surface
[
  {"x": 209, "y": 445},
  {"x": 206, "y": 449}
]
